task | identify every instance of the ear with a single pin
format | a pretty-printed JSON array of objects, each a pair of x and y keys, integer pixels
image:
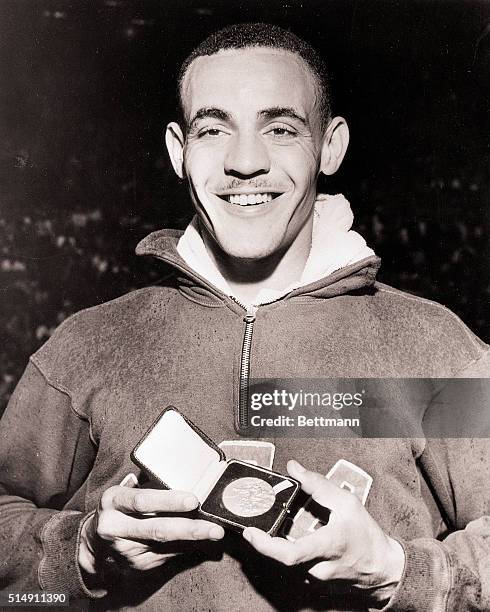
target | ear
[
  {"x": 335, "y": 143},
  {"x": 174, "y": 139}
]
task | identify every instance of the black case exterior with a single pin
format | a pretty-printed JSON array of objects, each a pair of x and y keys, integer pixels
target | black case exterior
[{"x": 213, "y": 508}]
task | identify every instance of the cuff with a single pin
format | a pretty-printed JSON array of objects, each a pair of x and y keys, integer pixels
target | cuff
[
  {"x": 425, "y": 582},
  {"x": 59, "y": 570}
]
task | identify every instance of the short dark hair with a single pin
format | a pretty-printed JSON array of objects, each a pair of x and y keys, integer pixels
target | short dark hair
[{"x": 246, "y": 35}]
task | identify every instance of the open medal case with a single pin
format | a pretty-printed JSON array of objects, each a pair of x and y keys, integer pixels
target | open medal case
[{"x": 235, "y": 494}]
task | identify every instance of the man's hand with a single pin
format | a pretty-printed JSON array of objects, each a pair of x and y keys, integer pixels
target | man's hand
[
  {"x": 120, "y": 528},
  {"x": 351, "y": 548}
]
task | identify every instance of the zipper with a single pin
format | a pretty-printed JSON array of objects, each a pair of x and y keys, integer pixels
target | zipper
[
  {"x": 249, "y": 319},
  {"x": 244, "y": 380}
]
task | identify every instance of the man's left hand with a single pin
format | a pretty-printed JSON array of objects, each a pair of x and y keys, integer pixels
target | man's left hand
[{"x": 351, "y": 548}]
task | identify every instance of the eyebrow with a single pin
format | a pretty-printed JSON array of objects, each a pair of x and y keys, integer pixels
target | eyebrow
[
  {"x": 282, "y": 111},
  {"x": 209, "y": 113}
]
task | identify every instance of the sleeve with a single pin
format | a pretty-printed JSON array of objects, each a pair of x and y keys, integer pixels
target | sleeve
[
  {"x": 453, "y": 573},
  {"x": 46, "y": 455}
]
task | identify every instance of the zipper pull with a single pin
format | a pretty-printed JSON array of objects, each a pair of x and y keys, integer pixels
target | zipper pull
[{"x": 250, "y": 316}]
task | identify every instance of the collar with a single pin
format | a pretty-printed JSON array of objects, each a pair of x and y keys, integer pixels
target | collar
[
  {"x": 162, "y": 245},
  {"x": 333, "y": 246}
]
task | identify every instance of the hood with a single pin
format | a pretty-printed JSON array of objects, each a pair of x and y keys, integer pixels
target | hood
[
  {"x": 162, "y": 244},
  {"x": 339, "y": 259},
  {"x": 333, "y": 246}
]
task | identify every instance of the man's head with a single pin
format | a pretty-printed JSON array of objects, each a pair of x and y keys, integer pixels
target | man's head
[{"x": 257, "y": 131}]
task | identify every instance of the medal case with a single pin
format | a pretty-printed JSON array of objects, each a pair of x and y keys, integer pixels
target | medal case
[{"x": 176, "y": 454}]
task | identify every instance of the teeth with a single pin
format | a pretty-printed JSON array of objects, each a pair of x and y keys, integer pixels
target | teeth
[{"x": 248, "y": 200}]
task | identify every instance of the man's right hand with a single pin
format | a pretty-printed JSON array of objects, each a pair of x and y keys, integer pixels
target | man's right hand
[{"x": 119, "y": 527}]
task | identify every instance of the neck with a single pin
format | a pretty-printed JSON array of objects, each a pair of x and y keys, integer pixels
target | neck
[{"x": 246, "y": 277}]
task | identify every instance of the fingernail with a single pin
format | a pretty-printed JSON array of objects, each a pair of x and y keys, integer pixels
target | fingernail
[
  {"x": 247, "y": 535},
  {"x": 216, "y": 533},
  {"x": 190, "y": 503},
  {"x": 297, "y": 466}
]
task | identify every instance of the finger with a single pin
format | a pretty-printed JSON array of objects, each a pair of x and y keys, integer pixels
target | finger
[
  {"x": 178, "y": 528},
  {"x": 321, "y": 489},
  {"x": 139, "y": 501},
  {"x": 150, "y": 560},
  {"x": 132, "y": 550},
  {"x": 289, "y": 553},
  {"x": 325, "y": 570},
  {"x": 129, "y": 554},
  {"x": 113, "y": 524}
]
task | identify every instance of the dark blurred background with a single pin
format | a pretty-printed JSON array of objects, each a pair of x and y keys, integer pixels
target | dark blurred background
[{"x": 87, "y": 87}]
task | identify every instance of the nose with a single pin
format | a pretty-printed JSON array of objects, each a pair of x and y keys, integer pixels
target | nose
[{"x": 246, "y": 157}]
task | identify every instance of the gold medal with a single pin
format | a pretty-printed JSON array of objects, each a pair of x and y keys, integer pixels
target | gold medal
[{"x": 248, "y": 497}]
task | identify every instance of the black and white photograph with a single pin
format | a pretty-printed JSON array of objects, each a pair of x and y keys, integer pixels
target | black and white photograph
[{"x": 244, "y": 299}]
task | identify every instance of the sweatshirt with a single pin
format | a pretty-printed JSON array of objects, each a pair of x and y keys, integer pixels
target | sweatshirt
[{"x": 89, "y": 394}]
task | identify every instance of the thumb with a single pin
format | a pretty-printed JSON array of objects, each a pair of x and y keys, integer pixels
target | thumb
[{"x": 322, "y": 491}]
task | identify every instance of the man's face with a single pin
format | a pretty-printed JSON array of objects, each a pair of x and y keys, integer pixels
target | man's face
[{"x": 252, "y": 149}]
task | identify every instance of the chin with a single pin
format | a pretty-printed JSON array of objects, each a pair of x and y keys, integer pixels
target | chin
[{"x": 247, "y": 251}]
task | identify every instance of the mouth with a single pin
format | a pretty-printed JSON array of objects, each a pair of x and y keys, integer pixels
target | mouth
[{"x": 249, "y": 199}]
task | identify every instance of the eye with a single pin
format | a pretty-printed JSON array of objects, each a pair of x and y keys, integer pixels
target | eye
[
  {"x": 282, "y": 131},
  {"x": 212, "y": 132}
]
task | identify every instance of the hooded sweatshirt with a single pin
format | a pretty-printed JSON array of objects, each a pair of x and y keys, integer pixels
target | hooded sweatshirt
[
  {"x": 333, "y": 246},
  {"x": 91, "y": 392}
]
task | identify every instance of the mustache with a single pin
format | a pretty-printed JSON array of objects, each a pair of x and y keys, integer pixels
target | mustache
[{"x": 236, "y": 183}]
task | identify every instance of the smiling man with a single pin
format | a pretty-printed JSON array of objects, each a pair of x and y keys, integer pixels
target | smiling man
[
  {"x": 257, "y": 132},
  {"x": 270, "y": 282}
]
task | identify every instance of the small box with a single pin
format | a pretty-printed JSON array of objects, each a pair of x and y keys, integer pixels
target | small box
[{"x": 235, "y": 494}]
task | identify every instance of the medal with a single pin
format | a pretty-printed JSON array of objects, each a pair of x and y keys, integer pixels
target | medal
[{"x": 248, "y": 496}]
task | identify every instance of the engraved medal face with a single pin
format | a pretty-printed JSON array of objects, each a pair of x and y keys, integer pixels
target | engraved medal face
[{"x": 248, "y": 497}]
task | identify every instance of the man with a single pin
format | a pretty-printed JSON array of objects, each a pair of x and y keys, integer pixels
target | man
[{"x": 269, "y": 283}]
